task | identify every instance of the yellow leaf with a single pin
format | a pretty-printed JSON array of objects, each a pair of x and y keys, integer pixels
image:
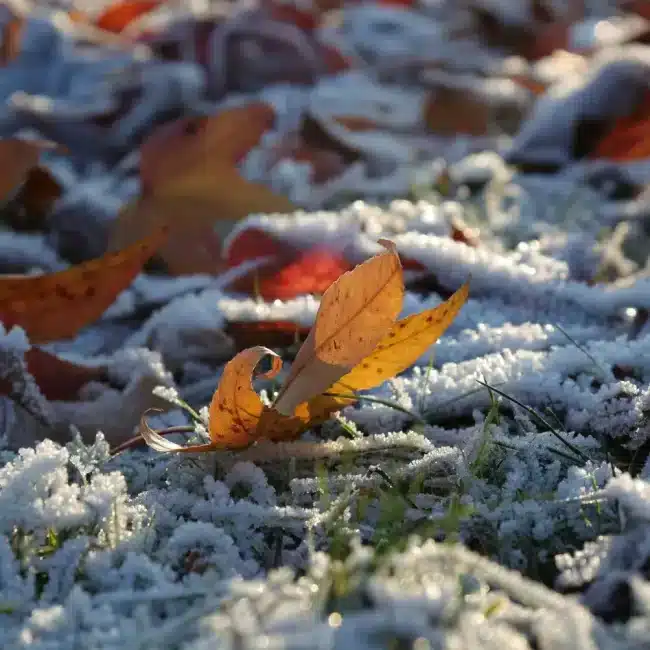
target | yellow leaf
[
  {"x": 355, "y": 313},
  {"x": 408, "y": 340}
]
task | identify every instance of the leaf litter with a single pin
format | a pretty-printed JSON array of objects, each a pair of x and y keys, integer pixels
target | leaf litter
[{"x": 511, "y": 419}]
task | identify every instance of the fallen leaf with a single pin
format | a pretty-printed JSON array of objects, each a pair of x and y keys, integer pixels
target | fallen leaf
[
  {"x": 236, "y": 409},
  {"x": 407, "y": 340},
  {"x": 308, "y": 272},
  {"x": 57, "y": 378},
  {"x": 11, "y": 39},
  {"x": 117, "y": 17},
  {"x": 17, "y": 157},
  {"x": 355, "y": 313},
  {"x": 57, "y": 305},
  {"x": 449, "y": 111},
  {"x": 629, "y": 138},
  {"x": 275, "y": 334},
  {"x": 354, "y": 344},
  {"x": 191, "y": 183},
  {"x": 33, "y": 201},
  {"x": 191, "y": 153}
]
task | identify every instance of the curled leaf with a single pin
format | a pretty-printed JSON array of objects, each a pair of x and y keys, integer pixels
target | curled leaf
[
  {"x": 159, "y": 443},
  {"x": 57, "y": 305},
  {"x": 355, "y": 313},
  {"x": 236, "y": 408}
]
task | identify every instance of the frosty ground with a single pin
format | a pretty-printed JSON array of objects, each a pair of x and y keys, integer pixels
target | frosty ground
[{"x": 495, "y": 496}]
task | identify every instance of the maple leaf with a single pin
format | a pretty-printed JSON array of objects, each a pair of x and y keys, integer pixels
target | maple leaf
[
  {"x": 191, "y": 182},
  {"x": 355, "y": 343},
  {"x": 57, "y": 305}
]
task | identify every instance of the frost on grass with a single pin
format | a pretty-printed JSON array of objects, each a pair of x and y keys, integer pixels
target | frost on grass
[{"x": 313, "y": 543}]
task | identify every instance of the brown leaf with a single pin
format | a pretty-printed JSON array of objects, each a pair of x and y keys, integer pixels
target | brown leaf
[
  {"x": 236, "y": 408},
  {"x": 355, "y": 313},
  {"x": 34, "y": 200},
  {"x": 17, "y": 157},
  {"x": 11, "y": 39},
  {"x": 57, "y": 305},
  {"x": 57, "y": 378},
  {"x": 451, "y": 110},
  {"x": 191, "y": 182}
]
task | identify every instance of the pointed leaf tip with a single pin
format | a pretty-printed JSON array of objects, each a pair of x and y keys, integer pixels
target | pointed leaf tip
[{"x": 355, "y": 313}]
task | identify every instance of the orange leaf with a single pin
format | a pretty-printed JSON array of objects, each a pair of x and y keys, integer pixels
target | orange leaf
[
  {"x": 355, "y": 313},
  {"x": 57, "y": 305},
  {"x": 408, "y": 340},
  {"x": 236, "y": 408},
  {"x": 191, "y": 182},
  {"x": 118, "y": 16},
  {"x": 184, "y": 152},
  {"x": 17, "y": 157},
  {"x": 355, "y": 337},
  {"x": 237, "y": 415}
]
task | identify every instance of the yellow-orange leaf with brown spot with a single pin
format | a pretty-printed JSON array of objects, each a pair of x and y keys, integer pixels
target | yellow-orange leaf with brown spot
[
  {"x": 57, "y": 305},
  {"x": 355, "y": 313},
  {"x": 354, "y": 344},
  {"x": 408, "y": 340}
]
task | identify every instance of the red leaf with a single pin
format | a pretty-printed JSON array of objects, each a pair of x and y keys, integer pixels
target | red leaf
[
  {"x": 291, "y": 273},
  {"x": 120, "y": 15}
]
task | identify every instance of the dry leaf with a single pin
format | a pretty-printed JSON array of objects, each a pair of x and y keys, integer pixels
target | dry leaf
[
  {"x": 275, "y": 334},
  {"x": 629, "y": 138},
  {"x": 33, "y": 201},
  {"x": 17, "y": 157},
  {"x": 354, "y": 344},
  {"x": 449, "y": 111},
  {"x": 11, "y": 40},
  {"x": 236, "y": 408},
  {"x": 191, "y": 181},
  {"x": 56, "y": 378},
  {"x": 57, "y": 305},
  {"x": 408, "y": 340},
  {"x": 120, "y": 15},
  {"x": 355, "y": 313}
]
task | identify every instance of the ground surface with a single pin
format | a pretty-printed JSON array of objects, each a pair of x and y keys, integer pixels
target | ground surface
[{"x": 443, "y": 514}]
